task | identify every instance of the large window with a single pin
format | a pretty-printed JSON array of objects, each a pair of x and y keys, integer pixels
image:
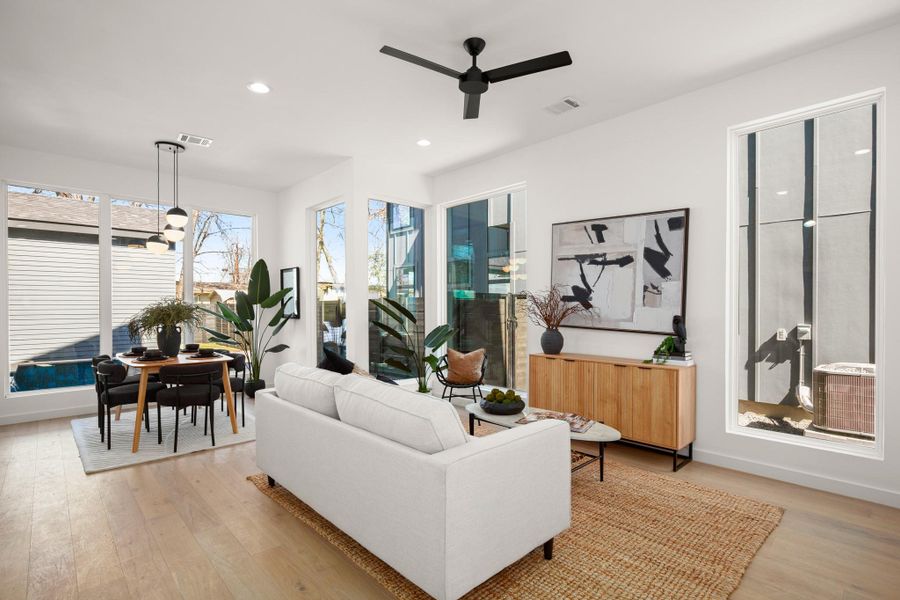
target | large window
[
  {"x": 806, "y": 334},
  {"x": 139, "y": 277},
  {"x": 222, "y": 250},
  {"x": 331, "y": 312},
  {"x": 396, "y": 242},
  {"x": 486, "y": 280},
  {"x": 54, "y": 288}
]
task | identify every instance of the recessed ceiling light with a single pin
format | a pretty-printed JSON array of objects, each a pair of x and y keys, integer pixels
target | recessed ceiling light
[
  {"x": 423, "y": 143},
  {"x": 781, "y": 193},
  {"x": 810, "y": 223},
  {"x": 862, "y": 151},
  {"x": 258, "y": 87}
]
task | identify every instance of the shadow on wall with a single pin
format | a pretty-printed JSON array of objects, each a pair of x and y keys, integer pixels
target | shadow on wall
[{"x": 773, "y": 353}]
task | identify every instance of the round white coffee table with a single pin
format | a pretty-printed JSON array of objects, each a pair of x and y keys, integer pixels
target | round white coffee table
[{"x": 598, "y": 433}]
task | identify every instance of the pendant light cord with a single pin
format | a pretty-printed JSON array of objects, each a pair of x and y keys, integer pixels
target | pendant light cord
[{"x": 157, "y": 189}]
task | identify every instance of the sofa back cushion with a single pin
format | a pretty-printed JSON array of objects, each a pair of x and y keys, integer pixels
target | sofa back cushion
[
  {"x": 415, "y": 420},
  {"x": 308, "y": 387}
]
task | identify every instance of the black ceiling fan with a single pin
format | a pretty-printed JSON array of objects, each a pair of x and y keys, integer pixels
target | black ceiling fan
[{"x": 474, "y": 82}]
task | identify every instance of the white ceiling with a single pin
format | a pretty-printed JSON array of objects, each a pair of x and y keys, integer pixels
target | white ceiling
[{"x": 103, "y": 80}]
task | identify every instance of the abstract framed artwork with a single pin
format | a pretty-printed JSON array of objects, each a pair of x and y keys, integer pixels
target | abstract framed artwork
[
  {"x": 629, "y": 271},
  {"x": 290, "y": 278}
]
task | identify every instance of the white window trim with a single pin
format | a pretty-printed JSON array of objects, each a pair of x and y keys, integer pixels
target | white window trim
[{"x": 732, "y": 273}]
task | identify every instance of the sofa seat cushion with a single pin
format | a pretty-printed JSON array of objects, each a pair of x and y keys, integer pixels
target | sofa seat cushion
[
  {"x": 415, "y": 420},
  {"x": 308, "y": 387}
]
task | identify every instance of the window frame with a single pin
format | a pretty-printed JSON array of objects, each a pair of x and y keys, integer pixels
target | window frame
[
  {"x": 105, "y": 233},
  {"x": 874, "y": 97}
]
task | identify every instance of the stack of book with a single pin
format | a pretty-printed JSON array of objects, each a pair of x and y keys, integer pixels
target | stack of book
[{"x": 684, "y": 360}]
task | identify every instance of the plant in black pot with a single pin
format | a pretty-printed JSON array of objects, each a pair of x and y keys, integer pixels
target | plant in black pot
[
  {"x": 253, "y": 328},
  {"x": 498, "y": 402},
  {"x": 547, "y": 309},
  {"x": 166, "y": 319}
]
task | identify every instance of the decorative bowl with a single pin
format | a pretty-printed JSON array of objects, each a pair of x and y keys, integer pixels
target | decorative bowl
[{"x": 502, "y": 408}]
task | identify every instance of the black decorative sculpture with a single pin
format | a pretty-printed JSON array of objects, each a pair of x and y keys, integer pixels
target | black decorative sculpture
[{"x": 680, "y": 331}]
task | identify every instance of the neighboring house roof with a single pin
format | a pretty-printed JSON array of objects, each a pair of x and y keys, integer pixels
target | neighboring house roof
[
  {"x": 75, "y": 211},
  {"x": 222, "y": 289}
]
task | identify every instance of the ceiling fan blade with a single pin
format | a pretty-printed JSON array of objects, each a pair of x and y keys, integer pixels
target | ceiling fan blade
[
  {"x": 470, "y": 107},
  {"x": 527, "y": 67},
  {"x": 419, "y": 61}
]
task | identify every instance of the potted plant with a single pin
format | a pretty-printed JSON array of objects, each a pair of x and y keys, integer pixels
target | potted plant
[
  {"x": 663, "y": 351},
  {"x": 253, "y": 328},
  {"x": 419, "y": 359},
  {"x": 165, "y": 318},
  {"x": 548, "y": 310}
]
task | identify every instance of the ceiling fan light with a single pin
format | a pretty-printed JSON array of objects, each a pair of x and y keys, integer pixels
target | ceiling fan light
[
  {"x": 157, "y": 244},
  {"x": 173, "y": 234},
  {"x": 176, "y": 217}
]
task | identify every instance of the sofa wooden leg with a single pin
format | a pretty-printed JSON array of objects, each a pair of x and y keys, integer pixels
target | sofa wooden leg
[
  {"x": 548, "y": 549},
  {"x": 271, "y": 481}
]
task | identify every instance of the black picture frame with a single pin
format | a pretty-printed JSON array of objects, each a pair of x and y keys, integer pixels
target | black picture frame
[
  {"x": 664, "y": 328},
  {"x": 290, "y": 278}
]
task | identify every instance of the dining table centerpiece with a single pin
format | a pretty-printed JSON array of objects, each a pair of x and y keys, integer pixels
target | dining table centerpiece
[
  {"x": 252, "y": 327},
  {"x": 165, "y": 318}
]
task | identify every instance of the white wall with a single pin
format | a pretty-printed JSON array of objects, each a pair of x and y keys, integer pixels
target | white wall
[
  {"x": 672, "y": 155},
  {"x": 352, "y": 182},
  {"x": 64, "y": 172}
]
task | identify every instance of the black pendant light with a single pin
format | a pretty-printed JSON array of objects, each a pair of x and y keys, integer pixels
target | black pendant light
[
  {"x": 176, "y": 217},
  {"x": 156, "y": 243}
]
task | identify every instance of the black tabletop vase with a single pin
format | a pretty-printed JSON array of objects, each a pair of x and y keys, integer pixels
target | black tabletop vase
[
  {"x": 552, "y": 341},
  {"x": 168, "y": 340}
]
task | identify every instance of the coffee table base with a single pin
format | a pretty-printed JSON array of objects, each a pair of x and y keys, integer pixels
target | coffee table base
[{"x": 601, "y": 456}]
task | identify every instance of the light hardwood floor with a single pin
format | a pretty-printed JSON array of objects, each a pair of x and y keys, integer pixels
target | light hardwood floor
[{"x": 193, "y": 527}]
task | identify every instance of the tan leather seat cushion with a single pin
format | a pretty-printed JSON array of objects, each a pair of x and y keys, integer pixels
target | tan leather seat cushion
[{"x": 464, "y": 367}]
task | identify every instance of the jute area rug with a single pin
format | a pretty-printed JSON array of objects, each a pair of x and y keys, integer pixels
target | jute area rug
[{"x": 637, "y": 535}]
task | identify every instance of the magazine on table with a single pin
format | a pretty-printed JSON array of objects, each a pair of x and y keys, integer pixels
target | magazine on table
[{"x": 577, "y": 423}]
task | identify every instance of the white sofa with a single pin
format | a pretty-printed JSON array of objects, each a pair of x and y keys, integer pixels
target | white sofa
[{"x": 397, "y": 472}]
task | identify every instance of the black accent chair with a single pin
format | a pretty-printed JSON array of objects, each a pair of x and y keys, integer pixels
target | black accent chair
[
  {"x": 191, "y": 385},
  {"x": 115, "y": 392},
  {"x": 238, "y": 364},
  {"x": 474, "y": 388}
]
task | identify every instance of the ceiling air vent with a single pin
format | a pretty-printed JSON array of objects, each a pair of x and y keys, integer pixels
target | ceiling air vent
[
  {"x": 565, "y": 105},
  {"x": 194, "y": 140}
]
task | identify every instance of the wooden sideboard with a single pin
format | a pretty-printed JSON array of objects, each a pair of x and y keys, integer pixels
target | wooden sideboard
[{"x": 650, "y": 404}]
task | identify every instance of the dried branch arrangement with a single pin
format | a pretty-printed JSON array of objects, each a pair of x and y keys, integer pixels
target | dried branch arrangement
[{"x": 548, "y": 310}]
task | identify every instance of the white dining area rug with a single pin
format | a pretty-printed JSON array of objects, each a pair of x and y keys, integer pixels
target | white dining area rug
[{"x": 95, "y": 457}]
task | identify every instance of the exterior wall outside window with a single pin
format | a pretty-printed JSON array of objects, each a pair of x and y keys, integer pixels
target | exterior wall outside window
[{"x": 806, "y": 327}]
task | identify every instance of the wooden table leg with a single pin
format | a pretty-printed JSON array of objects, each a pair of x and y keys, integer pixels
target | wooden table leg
[
  {"x": 118, "y": 412},
  {"x": 142, "y": 400},
  {"x": 229, "y": 397}
]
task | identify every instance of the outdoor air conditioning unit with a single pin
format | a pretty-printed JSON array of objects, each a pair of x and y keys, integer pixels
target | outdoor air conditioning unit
[{"x": 844, "y": 398}]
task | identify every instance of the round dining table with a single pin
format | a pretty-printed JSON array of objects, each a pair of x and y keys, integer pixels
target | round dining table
[{"x": 146, "y": 367}]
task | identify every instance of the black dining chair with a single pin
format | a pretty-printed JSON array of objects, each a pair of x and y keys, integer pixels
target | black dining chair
[
  {"x": 191, "y": 385},
  {"x": 115, "y": 392},
  {"x": 135, "y": 378},
  {"x": 474, "y": 388},
  {"x": 238, "y": 364}
]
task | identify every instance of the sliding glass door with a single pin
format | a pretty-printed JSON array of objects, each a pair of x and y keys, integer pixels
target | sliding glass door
[{"x": 486, "y": 280}]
